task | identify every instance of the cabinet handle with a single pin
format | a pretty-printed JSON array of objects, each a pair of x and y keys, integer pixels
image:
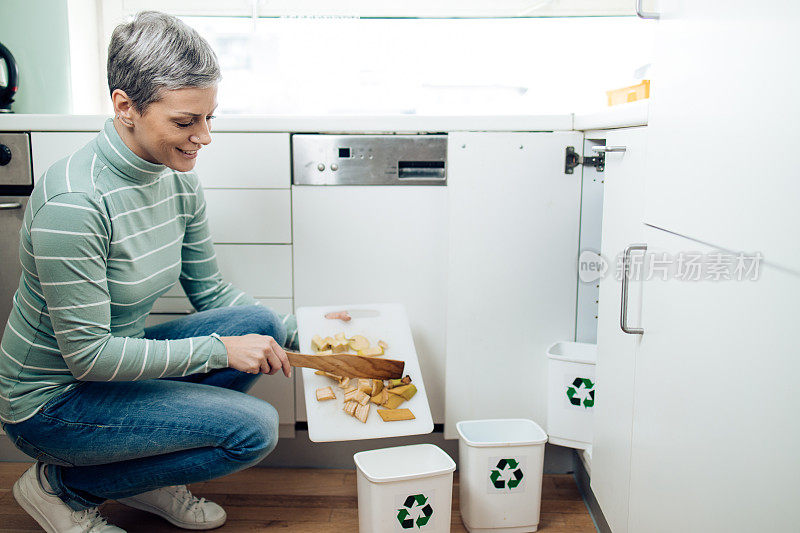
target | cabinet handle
[
  {"x": 11, "y": 205},
  {"x": 623, "y": 310},
  {"x": 645, "y": 14},
  {"x": 600, "y": 149}
]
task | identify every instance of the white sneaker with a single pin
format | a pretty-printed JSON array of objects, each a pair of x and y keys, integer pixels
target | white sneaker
[
  {"x": 51, "y": 513},
  {"x": 178, "y": 506}
]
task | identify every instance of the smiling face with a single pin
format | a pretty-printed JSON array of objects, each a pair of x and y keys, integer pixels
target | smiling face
[{"x": 170, "y": 131}]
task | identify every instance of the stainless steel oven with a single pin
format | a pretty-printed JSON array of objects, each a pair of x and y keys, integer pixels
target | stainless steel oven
[{"x": 16, "y": 184}]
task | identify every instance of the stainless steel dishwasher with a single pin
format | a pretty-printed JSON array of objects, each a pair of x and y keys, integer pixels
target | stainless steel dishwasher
[
  {"x": 16, "y": 184},
  {"x": 369, "y": 225}
]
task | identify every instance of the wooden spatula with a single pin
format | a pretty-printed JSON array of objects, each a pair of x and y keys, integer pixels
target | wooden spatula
[{"x": 352, "y": 366}]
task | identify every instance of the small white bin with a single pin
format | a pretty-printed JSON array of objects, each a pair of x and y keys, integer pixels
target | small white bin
[
  {"x": 406, "y": 488},
  {"x": 500, "y": 474},
  {"x": 570, "y": 393}
]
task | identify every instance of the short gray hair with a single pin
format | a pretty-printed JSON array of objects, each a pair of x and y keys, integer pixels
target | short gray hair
[{"x": 157, "y": 51}]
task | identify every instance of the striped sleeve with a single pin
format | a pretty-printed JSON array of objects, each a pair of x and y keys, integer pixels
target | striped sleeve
[
  {"x": 70, "y": 238},
  {"x": 200, "y": 275}
]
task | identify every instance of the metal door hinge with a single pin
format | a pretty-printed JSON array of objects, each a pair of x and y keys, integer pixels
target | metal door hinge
[{"x": 572, "y": 160}]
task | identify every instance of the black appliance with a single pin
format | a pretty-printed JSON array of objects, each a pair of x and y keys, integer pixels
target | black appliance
[{"x": 7, "y": 91}]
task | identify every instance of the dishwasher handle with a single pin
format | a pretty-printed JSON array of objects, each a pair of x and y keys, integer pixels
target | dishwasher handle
[{"x": 10, "y": 205}]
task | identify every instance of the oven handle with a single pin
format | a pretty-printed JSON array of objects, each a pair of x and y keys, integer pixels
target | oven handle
[{"x": 10, "y": 205}]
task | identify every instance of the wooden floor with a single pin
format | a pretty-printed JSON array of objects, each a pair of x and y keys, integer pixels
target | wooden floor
[{"x": 293, "y": 500}]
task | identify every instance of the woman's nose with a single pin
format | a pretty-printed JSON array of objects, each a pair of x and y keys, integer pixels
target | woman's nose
[{"x": 203, "y": 138}]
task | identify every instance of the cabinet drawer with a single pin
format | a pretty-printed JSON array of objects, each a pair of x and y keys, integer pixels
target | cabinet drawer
[
  {"x": 180, "y": 306},
  {"x": 245, "y": 160},
  {"x": 249, "y": 216},
  {"x": 262, "y": 271}
]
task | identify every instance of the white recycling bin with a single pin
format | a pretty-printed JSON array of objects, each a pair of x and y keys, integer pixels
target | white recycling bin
[
  {"x": 406, "y": 488},
  {"x": 500, "y": 466},
  {"x": 571, "y": 393}
]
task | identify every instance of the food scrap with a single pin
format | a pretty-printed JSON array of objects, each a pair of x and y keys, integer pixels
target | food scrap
[
  {"x": 359, "y": 393},
  {"x": 340, "y": 343},
  {"x": 393, "y": 415},
  {"x": 325, "y": 393}
]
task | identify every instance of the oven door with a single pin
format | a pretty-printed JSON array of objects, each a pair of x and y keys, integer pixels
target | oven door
[{"x": 12, "y": 209}]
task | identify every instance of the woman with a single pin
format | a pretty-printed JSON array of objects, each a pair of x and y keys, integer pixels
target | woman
[{"x": 109, "y": 409}]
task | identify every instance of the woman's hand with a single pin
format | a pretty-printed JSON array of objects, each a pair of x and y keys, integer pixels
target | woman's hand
[{"x": 256, "y": 353}]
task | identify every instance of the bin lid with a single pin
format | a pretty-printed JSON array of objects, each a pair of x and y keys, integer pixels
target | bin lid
[
  {"x": 403, "y": 462},
  {"x": 573, "y": 352},
  {"x": 500, "y": 432}
]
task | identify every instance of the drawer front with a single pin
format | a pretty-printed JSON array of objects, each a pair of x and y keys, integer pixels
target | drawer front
[
  {"x": 245, "y": 160},
  {"x": 177, "y": 306},
  {"x": 262, "y": 271},
  {"x": 249, "y": 216}
]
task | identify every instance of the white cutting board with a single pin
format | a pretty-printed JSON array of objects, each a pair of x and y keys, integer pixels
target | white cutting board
[{"x": 387, "y": 322}]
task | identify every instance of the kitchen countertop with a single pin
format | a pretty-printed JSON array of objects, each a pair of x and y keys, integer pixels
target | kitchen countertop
[
  {"x": 633, "y": 114},
  {"x": 618, "y": 116},
  {"x": 332, "y": 124}
]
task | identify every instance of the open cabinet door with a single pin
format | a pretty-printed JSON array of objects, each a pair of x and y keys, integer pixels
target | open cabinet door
[{"x": 512, "y": 274}]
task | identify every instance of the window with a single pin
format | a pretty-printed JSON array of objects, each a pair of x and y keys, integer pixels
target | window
[
  {"x": 423, "y": 66},
  {"x": 386, "y": 60}
]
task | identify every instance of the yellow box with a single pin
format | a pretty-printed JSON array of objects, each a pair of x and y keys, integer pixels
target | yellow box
[{"x": 629, "y": 94}]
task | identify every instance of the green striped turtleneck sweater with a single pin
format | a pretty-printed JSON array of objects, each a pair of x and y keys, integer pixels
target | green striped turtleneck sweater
[{"x": 104, "y": 235}]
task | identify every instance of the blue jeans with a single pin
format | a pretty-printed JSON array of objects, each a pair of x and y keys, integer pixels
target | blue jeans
[{"x": 111, "y": 440}]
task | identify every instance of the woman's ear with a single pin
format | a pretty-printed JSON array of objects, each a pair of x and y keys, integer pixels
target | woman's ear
[{"x": 123, "y": 107}]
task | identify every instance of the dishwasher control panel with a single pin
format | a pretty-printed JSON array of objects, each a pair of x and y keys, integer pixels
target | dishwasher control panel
[{"x": 325, "y": 159}]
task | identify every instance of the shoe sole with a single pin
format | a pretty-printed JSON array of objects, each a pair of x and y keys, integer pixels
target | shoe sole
[
  {"x": 165, "y": 516},
  {"x": 30, "y": 508}
]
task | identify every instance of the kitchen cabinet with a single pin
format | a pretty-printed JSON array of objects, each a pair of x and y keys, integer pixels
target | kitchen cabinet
[
  {"x": 715, "y": 432},
  {"x": 623, "y": 182},
  {"x": 723, "y": 107},
  {"x": 513, "y": 251}
]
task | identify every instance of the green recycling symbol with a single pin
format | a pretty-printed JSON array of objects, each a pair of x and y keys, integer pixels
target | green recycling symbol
[
  {"x": 516, "y": 474},
  {"x": 418, "y": 503},
  {"x": 588, "y": 396}
]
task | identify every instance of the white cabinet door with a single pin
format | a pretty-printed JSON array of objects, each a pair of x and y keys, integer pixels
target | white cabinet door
[
  {"x": 245, "y": 160},
  {"x": 723, "y": 125},
  {"x": 623, "y": 196},
  {"x": 512, "y": 273},
  {"x": 50, "y": 146},
  {"x": 715, "y": 419}
]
